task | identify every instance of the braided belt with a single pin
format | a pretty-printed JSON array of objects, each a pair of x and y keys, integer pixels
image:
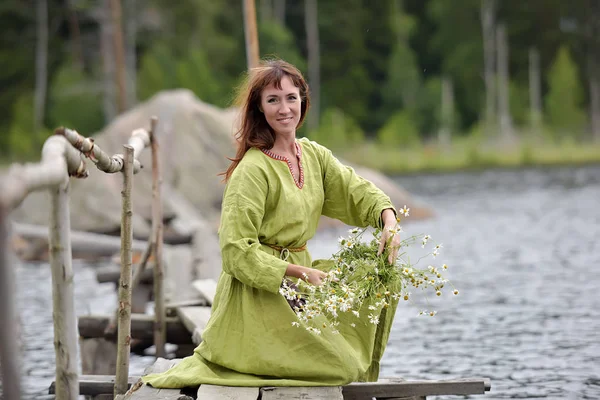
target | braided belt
[{"x": 284, "y": 252}]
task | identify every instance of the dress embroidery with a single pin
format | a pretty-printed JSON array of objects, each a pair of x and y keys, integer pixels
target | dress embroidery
[{"x": 299, "y": 182}]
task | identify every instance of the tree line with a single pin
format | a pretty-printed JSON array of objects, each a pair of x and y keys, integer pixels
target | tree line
[{"x": 397, "y": 71}]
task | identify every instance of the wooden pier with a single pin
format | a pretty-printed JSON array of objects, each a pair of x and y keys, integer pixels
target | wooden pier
[
  {"x": 185, "y": 324},
  {"x": 389, "y": 389}
]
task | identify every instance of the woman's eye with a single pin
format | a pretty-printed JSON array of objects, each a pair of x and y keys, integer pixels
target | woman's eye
[
  {"x": 271, "y": 100},
  {"x": 292, "y": 98}
]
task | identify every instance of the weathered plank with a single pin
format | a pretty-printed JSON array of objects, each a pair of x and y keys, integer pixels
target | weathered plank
[
  {"x": 396, "y": 388},
  {"x": 213, "y": 392},
  {"x": 302, "y": 393},
  {"x": 194, "y": 319},
  {"x": 94, "y": 385},
  {"x": 112, "y": 274},
  {"x": 140, "y": 391},
  {"x": 93, "y": 326},
  {"x": 207, "y": 288},
  {"x": 186, "y": 303}
]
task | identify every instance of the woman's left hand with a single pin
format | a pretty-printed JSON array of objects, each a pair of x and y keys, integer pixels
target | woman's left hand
[{"x": 389, "y": 220}]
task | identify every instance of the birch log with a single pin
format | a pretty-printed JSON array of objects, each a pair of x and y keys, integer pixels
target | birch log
[
  {"x": 506, "y": 127},
  {"x": 65, "y": 320},
  {"x": 160, "y": 327},
  {"x": 535, "y": 92},
  {"x": 124, "y": 314},
  {"x": 488, "y": 17},
  {"x": 11, "y": 382},
  {"x": 59, "y": 161},
  {"x": 139, "y": 140}
]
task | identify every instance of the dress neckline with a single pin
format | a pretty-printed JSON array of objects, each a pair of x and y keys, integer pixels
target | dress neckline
[{"x": 300, "y": 181}]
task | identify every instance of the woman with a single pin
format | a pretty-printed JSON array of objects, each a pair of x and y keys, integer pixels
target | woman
[{"x": 277, "y": 189}]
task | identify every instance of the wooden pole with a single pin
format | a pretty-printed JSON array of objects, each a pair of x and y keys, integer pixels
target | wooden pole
[
  {"x": 124, "y": 313},
  {"x": 115, "y": 7},
  {"x": 160, "y": 326},
  {"x": 65, "y": 321},
  {"x": 11, "y": 381},
  {"x": 251, "y": 34}
]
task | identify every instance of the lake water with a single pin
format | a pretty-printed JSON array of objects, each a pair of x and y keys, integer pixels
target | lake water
[{"x": 523, "y": 249}]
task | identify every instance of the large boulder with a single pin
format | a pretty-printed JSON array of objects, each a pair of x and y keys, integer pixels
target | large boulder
[{"x": 195, "y": 140}]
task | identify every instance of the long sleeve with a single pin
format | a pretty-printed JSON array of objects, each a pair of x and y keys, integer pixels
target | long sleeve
[
  {"x": 349, "y": 197},
  {"x": 242, "y": 214}
]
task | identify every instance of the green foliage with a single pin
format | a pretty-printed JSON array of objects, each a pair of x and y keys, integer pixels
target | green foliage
[
  {"x": 72, "y": 103},
  {"x": 376, "y": 58},
  {"x": 563, "y": 101},
  {"x": 399, "y": 131},
  {"x": 519, "y": 103},
  {"x": 403, "y": 83},
  {"x": 158, "y": 71},
  {"x": 337, "y": 130},
  {"x": 278, "y": 42},
  {"x": 194, "y": 73},
  {"x": 23, "y": 141}
]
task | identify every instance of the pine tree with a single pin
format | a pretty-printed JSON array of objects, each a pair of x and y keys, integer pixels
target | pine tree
[{"x": 563, "y": 101}]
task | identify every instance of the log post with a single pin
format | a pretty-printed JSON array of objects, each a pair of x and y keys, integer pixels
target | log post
[
  {"x": 160, "y": 336},
  {"x": 124, "y": 313},
  {"x": 11, "y": 382},
  {"x": 65, "y": 321}
]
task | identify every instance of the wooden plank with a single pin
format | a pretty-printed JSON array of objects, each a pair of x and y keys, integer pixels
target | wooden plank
[
  {"x": 161, "y": 365},
  {"x": 140, "y": 391},
  {"x": 302, "y": 393},
  {"x": 200, "y": 301},
  {"x": 145, "y": 392},
  {"x": 207, "y": 288},
  {"x": 214, "y": 392},
  {"x": 94, "y": 385},
  {"x": 387, "y": 389},
  {"x": 112, "y": 273},
  {"x": 194, "y": 319},
  {"x": 93, "y": 326}
]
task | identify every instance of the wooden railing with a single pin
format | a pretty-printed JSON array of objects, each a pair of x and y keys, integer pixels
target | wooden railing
[{"x": 63, "y": 157}]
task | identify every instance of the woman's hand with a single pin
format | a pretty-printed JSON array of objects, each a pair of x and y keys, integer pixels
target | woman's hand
[
  {"x": 314, "y": 276},
  {"x": 309, "y": 275},
  {"x": 389, "y": 231}
]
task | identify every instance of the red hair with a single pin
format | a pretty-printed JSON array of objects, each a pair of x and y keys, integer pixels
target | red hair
[{"x": 254, "y": 131}]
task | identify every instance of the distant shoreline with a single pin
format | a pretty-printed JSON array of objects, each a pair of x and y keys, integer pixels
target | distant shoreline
[{"x": 467, "y": 157}]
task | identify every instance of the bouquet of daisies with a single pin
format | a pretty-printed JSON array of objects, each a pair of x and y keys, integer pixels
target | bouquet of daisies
[{"x": 360, "y": 277}]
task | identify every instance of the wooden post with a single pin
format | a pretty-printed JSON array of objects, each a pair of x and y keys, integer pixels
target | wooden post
[
  {"x": 65, "y": 321},
  {"x": 124, "y": 313},
  {"x": 160, "y": 336},
  {"x": 251, "y": 34},
  {"x": 11, "y": 381}
]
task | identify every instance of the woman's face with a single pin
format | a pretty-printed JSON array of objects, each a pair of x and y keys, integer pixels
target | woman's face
[{"x": 281, "y": 107}]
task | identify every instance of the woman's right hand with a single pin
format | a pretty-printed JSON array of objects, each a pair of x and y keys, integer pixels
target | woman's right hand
[
  {"x": 310, "y": 275},
  {"x": 315, "y": 277}
]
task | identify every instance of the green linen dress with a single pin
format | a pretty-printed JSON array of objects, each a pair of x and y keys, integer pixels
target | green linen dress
[{"x": 249, "y": 339}]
